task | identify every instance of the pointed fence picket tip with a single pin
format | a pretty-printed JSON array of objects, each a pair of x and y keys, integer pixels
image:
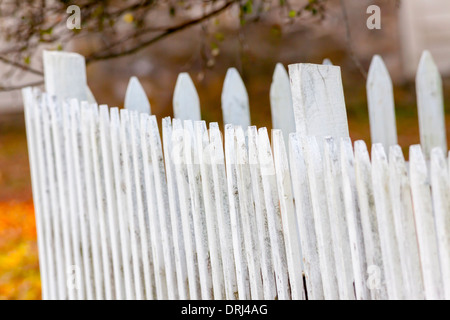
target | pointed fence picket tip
[
  {"x": 430, "y": 105},
  {"x": 186, "y": 103},
  {"x": 380, "y": 101},
  {"x": 281, "y": 102},
  {"x": 235, "y": 105},
  {"x": 318, "y": 100},
  {"x": 65, "y": 75},
  {"x": 135, "y": 97},
  {"x": 327, "y": 61}
]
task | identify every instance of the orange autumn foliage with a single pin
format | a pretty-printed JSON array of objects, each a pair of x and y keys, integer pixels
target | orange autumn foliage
[{"x": 19, "y": 264}]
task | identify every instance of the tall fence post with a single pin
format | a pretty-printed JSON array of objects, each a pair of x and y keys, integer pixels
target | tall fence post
[
  {"x": 65, "y": 76},
  {"x": 318, "y": 100}
]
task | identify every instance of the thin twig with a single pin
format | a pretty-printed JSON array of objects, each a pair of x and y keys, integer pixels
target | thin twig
[{"x": 348, "y": 39}]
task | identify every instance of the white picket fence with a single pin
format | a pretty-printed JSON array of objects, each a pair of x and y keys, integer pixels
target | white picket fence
[{"x": 125, "y": 213}]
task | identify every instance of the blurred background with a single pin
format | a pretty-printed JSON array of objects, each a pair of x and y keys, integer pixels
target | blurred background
[{"x": 156, "y": 40}]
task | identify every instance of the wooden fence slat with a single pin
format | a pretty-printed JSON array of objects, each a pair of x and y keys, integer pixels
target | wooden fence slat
[
  {"x": 242, "y": 275},
  {"x": 267, "y": 269},
  {"x": 405, "y": 228},
  {"x": 31, "y": 120},
  {"x": 120, "y": 196},
  {"x": 141, "y": 209},
  {"x": 440, "y": 184},
  {"x": 130, "y": 202},
  {"x": 161, "y": 196},
  {"x": 375, "y": 269},
  {"x": 223, "y": 212},
  {"x": 186, "y": 209},
  {"x": 110, "y": 204},
  {"x": 430, "y": 105},
  {"x": 252, "y": 249},
  {"x": 198, "y": 210},
  {"x": 425, "y": 224},
  {"x": 175, "y": 215},
  {"x": 135, "y": 97},
  {"x": 76, "y": 152},
  {"x": 318, "y": 100},
  {"x": 204, "y": 159},
  {"x": 57, "y": 134},
  {"x": 52, "y": 185},
  {"x": 380, "y": 102},
  {"x": 87, "y": 116},
  {"x": 288, "y": 218},
  {"x": 305, "y": 219},
  {"x": 314, "y": 164},
  {"x": 99, "y": 182},
  {"x": 327, "y": 61},
  {"x": 65, "y": 75},
  {"x": 386, "y": 225},
  {"x": 353, "y": 215},
  {"x": 338, "y": 220},
  {"x": 235, "y": 105},
  {"x": 271, "y": 199},
  {"x": 281, "y": 102},
  {"x": 186, "y": 103}
]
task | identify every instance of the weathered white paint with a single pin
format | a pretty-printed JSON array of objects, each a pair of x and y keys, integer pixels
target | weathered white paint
[
  {"x": 247, "y": 210},
  {"x": 223, "y": 213},
  {"x": 61, "y": 185},
  {"x": 314, "y": 164},
  {"x": 235, "y": 105},
  {"x": 327, "y": 62},
  {"x": 130, "y": 203},
  {"x": 198, "y": 210},
  {"x": 380, "y": 101},
  {"x": 268, "y": 276},
  {"x": 305, "y": 218},
  {"x": 151, "y": 263},
  {"x": 87, "y": 116},
  {"x": 185, "y": 209},
  {"x": 288, "y": 218},
  {"x": 161, "y": 196},
  {"x": 430, "y": 106},
  {"x": 235, "y": 215},
  {"x": 353, "y": 215},
  {"x": 65, "y": 75},
  {"x": 386, "y": 226},
  {"x": 318, "y": 100},
  {"x": 120, "y": 196},
  {"x": 281, "y": 102},
  {"x": 425, "y": 224},
  {"x": 440, "y": 185},
  {"x": 405, "y": 229},
  {"x": 203, "y": 147},
  {"x": 110, "y": 205},
  {"x": 375, "y": 280},
  {"x": 31, "y": 120},
  {"x": 175, "y": 215},
  {"x": 186, "y": 103},
  {"x": 271, "y": 199},
  {"x": 135, "y": 97},
  {"x": 338, "y": 219}
]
